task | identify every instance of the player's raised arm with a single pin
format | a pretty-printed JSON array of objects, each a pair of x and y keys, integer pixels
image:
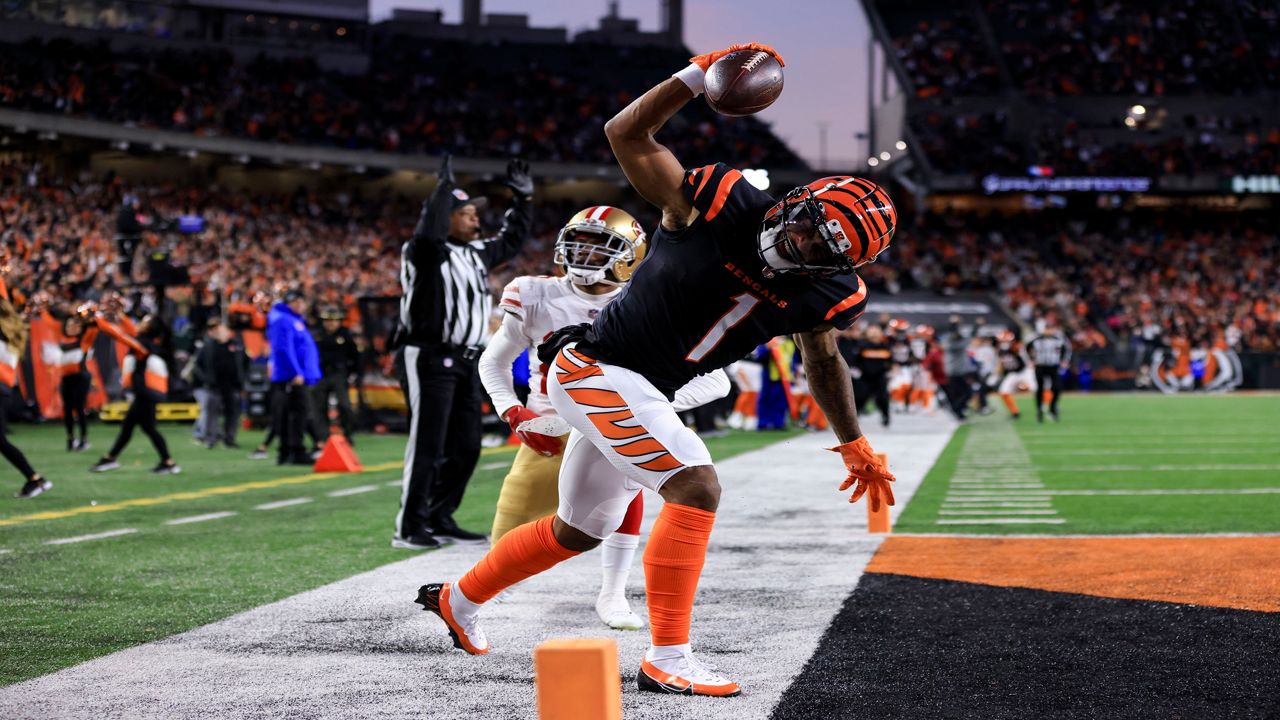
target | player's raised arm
[{"x": 651, "y": 167}]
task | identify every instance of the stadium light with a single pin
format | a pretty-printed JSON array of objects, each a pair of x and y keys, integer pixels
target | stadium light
[
  {"x": 1138, "y": 110},
  {"x": 885, "y": 156},
  {"x": 1130, "y": 122},
  {"x": 121, "y": 145},
  {"x": 873, "y": 161},
  {"x": 758, "y": 178},
  {"x": 242, "y": 159},
  {"x": 901, "y": 144}
]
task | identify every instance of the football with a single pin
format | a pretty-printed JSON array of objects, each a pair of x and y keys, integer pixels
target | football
[{"x": 743, "y": 82}]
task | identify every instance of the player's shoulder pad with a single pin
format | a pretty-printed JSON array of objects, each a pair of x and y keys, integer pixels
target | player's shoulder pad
[
  {"x": 848, "y": 300},
  {"x": 522, "y": 295},
  {"x": 720, "y": 192}
]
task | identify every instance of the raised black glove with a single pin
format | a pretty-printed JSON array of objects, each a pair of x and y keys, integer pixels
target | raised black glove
[{"x": 518, "y": 178}]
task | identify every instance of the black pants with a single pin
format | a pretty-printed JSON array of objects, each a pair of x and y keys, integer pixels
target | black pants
[
  {"x": 294, "y": 418},
  {"x": 75, "y": 396},
  {"x": 276, "y": 404},
  {"x": 8, "y": 449},
  {"x": 141, "y": 413},
  {"x": 222, "y": 402},
  {"x": 873, "y": 387},
  {"x": 1047, "y": 377},
  {"x": 334, "y": 384},
  {"x": 442, "y": 389},
  {"x": 959, "y": 392}
]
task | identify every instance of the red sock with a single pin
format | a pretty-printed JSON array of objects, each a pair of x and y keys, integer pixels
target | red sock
[
  {"x": 521, "y": 553},
  {"x": 635, "y": 513},
  {"x": 672, "y": 565}
]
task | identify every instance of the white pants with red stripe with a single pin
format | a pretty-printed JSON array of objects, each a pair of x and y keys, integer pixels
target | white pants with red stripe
[{"x": 626, "y": 436}]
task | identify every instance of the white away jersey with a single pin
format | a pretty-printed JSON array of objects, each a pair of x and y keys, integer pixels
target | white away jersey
[{"x": 545, "y": 304}]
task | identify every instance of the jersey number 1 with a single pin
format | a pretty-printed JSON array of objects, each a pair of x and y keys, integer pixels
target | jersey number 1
[{"x": 743, "y": 304}]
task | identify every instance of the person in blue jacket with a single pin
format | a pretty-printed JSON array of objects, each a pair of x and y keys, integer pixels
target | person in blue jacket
[{"x": 295, "y": 367}]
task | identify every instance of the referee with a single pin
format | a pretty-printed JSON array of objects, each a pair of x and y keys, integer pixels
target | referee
[
  {"x": 1051, "y": 352},
  {"x": 444, "y": 317}
]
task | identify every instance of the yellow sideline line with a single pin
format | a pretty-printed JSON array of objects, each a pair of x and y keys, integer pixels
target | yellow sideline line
[{"x": 206, "y": 492}]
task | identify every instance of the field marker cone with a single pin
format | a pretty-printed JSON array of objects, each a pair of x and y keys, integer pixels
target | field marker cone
[
  {"x": 577, "y": 679},
  {"x": 337, "y": 456},
  {"x": 878, "y": 520}
]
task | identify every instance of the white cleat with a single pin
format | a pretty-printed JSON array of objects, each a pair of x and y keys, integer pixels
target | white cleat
[
  {"x": 615, "y": 611},
  {"x": 684, "y": 675}
]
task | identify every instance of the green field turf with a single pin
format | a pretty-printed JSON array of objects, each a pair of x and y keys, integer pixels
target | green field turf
[
  {"x": 67, "y": 603},
  {"x": 1197, "y": 464}
]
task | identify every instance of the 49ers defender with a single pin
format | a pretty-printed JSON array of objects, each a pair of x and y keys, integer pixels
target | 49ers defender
[{"x": 728, "y": 269}]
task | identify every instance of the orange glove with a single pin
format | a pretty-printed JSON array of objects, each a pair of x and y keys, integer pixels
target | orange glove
[
  {"x": 704, "y": 61},
  {"x": 544, "y": 445},
  {"x": 867, "y": 471}
]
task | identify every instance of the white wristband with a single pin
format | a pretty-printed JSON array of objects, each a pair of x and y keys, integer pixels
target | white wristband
[{"x": 693, "y": 77}]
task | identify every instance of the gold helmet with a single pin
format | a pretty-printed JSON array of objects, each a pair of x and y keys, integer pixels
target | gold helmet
[{"x": 601, "y": 244}]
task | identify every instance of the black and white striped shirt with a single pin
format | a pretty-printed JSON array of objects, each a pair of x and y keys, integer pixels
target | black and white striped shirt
[
  {"x": 1049, "y": 349},
  {"x": 444, "y": 283}
]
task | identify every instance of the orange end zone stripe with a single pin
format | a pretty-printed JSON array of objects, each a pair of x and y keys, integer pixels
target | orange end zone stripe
[{"x": 1231, "y": 572}]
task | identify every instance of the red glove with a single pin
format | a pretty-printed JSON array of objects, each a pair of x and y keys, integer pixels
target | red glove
[
  {"x": 867, "y": 471},
  {"x": 545, "y": 445},
  {"x": 704, "y": 61}
]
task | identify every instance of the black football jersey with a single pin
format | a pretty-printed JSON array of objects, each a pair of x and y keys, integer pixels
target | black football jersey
[{"x": 699, "y": 301}]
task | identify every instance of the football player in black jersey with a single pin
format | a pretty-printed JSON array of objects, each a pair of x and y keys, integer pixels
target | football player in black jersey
[{"x": 729, "y": 268}]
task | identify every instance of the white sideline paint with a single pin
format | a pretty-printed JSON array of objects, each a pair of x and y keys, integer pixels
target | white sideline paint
[
  {"x": 288, "y": 503},
  {"x": 352, "y": 491},
  {"x": 200, "y": 518},
  {"x": 784, "y": 538},
  {"x": 95, "y": 536},
  {"x": 495, "y": 465}
]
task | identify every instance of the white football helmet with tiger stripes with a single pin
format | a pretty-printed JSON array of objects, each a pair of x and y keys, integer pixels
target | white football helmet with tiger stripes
[{"x": 601, "y": 244}]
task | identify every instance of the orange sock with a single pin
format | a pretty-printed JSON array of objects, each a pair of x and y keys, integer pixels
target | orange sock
[
  {"x": 673, "y": 561},
  {"x": 1009, "y": 402},
  {"x": 521, "y": 553}
]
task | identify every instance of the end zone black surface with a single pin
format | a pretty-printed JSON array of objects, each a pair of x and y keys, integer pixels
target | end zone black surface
[{"x": 904, "y": 647}]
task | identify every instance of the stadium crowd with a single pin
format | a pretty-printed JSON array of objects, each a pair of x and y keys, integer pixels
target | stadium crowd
[
  {"x": 544, "y": 103},
  {"x": 1126, "y": 281},
  {"x": 984, "y": 142}
]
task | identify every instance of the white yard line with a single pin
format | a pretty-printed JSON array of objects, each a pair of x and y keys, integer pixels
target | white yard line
[
  {"x": 200, "y": 518},
  {"x": 353, "y": 491},
  {"x": 990, "y": 511},
  {"x": 95, "y": 536},
  {"x": 283, "y": 503},
  {"x": 1001, "y": 521},
  {"x": 1040, "y": 494},
  {"x": 494, "y": 466},
  {"x": 361, "y": 648},
  {"x": 1244, "y": 467}
]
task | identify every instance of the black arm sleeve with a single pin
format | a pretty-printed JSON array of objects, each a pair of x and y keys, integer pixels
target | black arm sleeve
[
  {"x": 433, "y": 223},
  {"x": 517, "y": 224}
]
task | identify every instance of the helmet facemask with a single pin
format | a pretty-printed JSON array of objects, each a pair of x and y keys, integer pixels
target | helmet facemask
[
  {"x": 589, "y": 254},
  {"x": 801, "y": 214}
]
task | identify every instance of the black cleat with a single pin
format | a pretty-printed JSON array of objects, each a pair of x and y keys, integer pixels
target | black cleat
[
  {"x": 33, "y": 487},
  {"x": 448, "y": 531},
  {"x": 429, "y": 597}
]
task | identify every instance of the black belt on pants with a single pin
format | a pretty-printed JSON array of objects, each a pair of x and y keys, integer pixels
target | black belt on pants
[{"x": 466, "y": 352}]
